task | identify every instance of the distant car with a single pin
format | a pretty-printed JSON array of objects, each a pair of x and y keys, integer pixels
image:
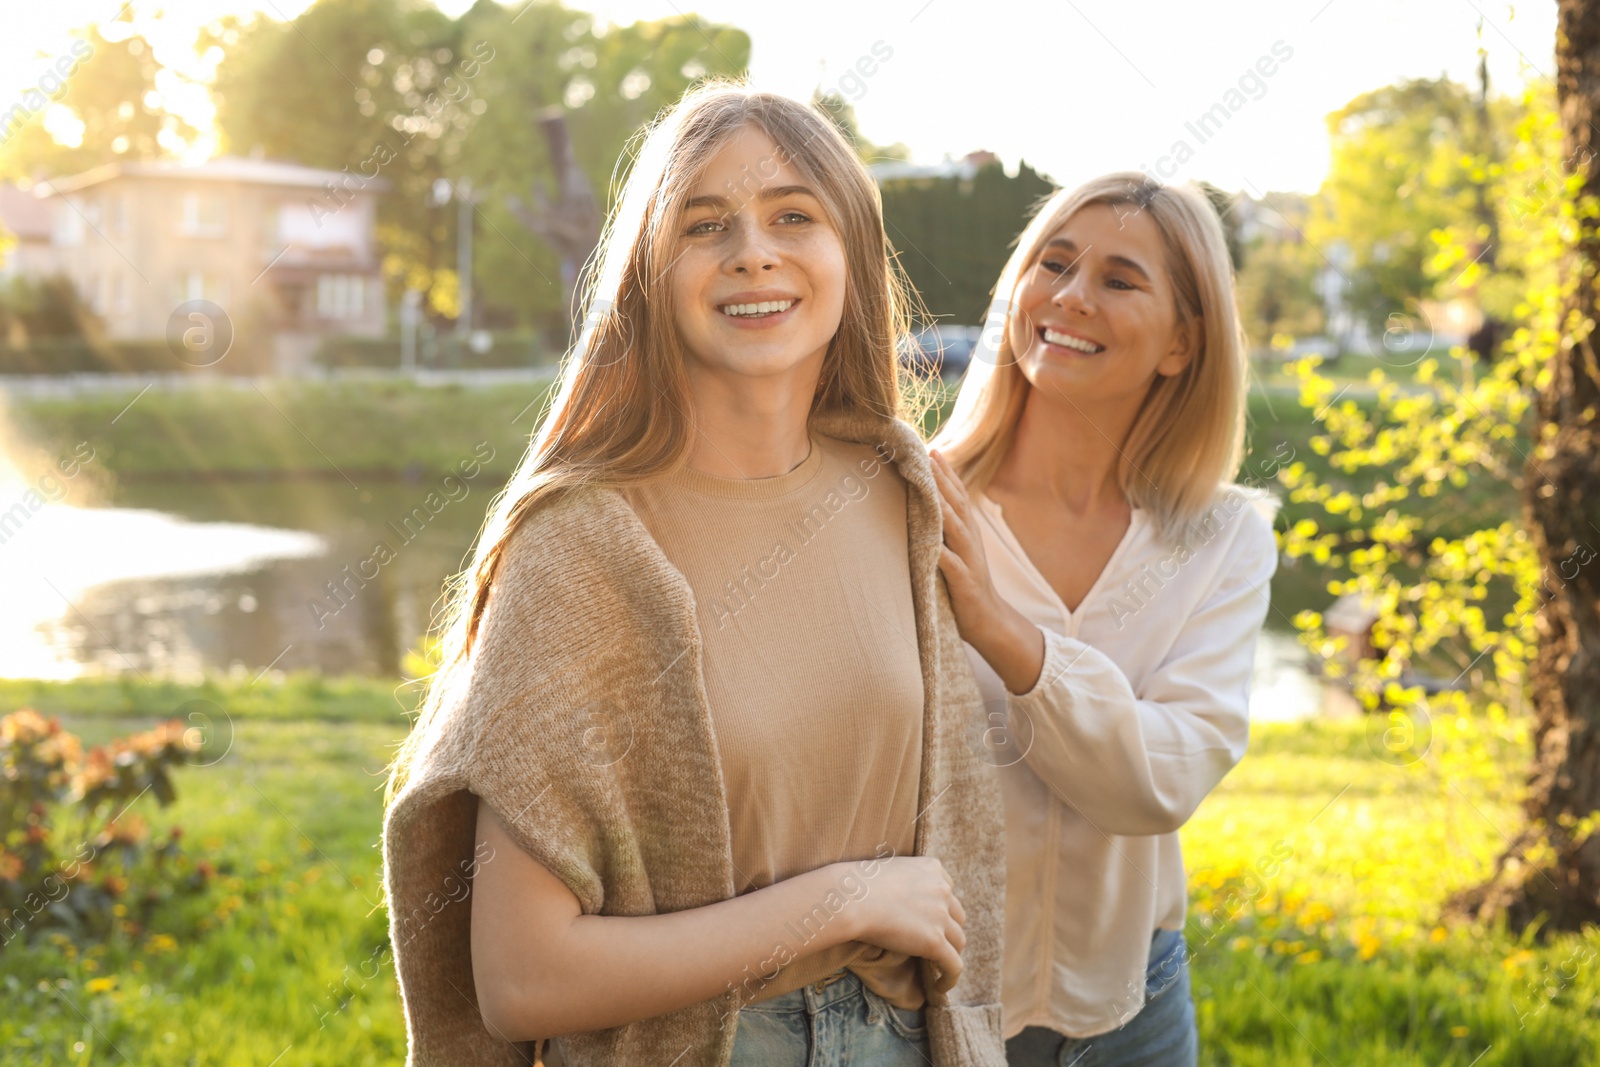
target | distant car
[{"x": 944, "y": 349}]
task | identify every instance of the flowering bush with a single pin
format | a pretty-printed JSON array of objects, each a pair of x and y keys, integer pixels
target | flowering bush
[{"x": 71, "y": 855}]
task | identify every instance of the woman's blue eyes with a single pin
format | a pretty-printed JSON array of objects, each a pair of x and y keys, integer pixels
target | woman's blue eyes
[
  {"x": 1056, "y": 267},
  {"x": 701, "y": 227}
]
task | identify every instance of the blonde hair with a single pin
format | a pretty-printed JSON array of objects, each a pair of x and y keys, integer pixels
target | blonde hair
[
  {"x": 619, "y": 414},
  {"x": 1187, "y": 439}
]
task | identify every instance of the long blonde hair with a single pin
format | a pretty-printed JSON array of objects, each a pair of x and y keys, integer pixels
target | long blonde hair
[
  {"x": 1187, "y": 438},
  {"x": 620, "y": 412}
]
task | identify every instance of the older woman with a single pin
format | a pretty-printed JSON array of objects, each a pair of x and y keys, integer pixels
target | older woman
[{"x": 1110, "y": 583}]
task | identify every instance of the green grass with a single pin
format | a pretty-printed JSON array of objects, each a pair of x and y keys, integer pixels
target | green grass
[
  {"x": 1317, "y": 869},
  {"x": 286, "y": 428},
  {"x": 284, "y": 953}
]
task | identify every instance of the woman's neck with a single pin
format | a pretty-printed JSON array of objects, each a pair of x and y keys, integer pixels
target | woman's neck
[
  {"x": 749, "y": 427},
  {"x": 1063, "y": 452}
]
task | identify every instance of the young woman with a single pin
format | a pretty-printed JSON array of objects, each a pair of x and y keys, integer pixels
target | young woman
[
  {"x": 696, "y": 752},
  {"x": 1110, "y": 583}
]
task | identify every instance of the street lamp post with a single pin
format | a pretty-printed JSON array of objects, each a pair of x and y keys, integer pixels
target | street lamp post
[{"x": 462, "y": 190}]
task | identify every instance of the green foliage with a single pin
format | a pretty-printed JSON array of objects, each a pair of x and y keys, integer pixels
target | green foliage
[
  {"x": 843, "y": 114},
  {"x": 289, "y": 945},
  {"x": 47, "y": 307},
  {"x": 954, "y": 236},
  {"x": 1222, "y": 202},
  {"x": 399, "y": 92},
  {"x": 1401, "y": 169},
  {"x": 1453, "y": 602},
  {"x": 70, "y": 857},
  {"x": 610, "y": 81},
  {"x": 112, "y": 92},
  {"x": 1278, "y": 295}
]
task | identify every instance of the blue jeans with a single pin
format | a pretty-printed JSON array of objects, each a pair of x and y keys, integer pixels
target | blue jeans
[
  {"x": 843, "y": 1022},
  {"x": 1163, "y": 1034}
]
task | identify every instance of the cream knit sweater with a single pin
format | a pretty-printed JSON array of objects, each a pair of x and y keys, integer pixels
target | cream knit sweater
[{"x": 581, "y": 719}]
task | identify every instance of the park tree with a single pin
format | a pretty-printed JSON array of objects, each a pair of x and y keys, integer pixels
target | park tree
[
  {"x": 397, "y": 90},
  {"x": 953, "y": 235},
  {"x": 113, "y": 111},
  {"x": 604, "y": 84},
  {"x": 357, "y": 86},
  {"x": 1552, "y": 868},
  {"x": 1407, "y": 499},
  {"x": 1278, "y": 291},
  {"x": 843, "y": 114},
  {"x": 1407, "y": 162}
]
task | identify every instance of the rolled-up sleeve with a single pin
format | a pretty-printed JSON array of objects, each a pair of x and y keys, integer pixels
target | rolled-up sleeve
[{"x": 1140, "y": 762}]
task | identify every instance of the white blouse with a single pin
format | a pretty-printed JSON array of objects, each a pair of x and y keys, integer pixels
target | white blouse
[{"x": 1140, "y": 710}]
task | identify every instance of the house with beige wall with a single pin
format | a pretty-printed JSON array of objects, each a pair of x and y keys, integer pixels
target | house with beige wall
[{"x": 288, "y": 252}]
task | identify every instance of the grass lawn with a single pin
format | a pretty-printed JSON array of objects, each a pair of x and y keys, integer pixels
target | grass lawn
[{"x": 1315, "y": 869}]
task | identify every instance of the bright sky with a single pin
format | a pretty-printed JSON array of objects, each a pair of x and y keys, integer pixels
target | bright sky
[{"x": 1076, "y": 87}]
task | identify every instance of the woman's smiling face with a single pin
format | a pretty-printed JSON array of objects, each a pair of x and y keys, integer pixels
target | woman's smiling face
[
  {"x": 1096, "y": 317},
  {"x": 758, "y": 275}
]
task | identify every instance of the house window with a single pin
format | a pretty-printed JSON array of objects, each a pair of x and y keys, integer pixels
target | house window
[
  {"x": 341, "y": 296},
  {"x": 69, "y": 227},
  {"x": 117, "y": 214},
  {"x": 196, "y": 285},
  {"x": 204, "y": 215}
]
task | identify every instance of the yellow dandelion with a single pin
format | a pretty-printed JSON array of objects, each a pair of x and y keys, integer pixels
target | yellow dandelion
[
  {"x": 1311, "y": 956},
  {"x": 1438, "y": 934},
  {"x": 1459, "y": 1031},
  {"x": 101, "y": 985}
]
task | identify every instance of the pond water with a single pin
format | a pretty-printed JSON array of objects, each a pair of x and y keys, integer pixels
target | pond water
[{"x": 182, "y": 580}]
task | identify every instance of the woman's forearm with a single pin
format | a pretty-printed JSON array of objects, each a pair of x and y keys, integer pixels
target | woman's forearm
[
  {"x": 587, "y": 972},
  {"x": 627, "y": 968},
  {"x": 1012, "y": 645}
]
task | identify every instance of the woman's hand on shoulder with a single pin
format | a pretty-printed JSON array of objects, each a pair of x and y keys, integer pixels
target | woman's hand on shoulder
[{"x": 1002, "y": 635}]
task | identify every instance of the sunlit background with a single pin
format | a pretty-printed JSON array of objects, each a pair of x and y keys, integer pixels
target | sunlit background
[
  {"x": 933, "y": 88},
  {"x": 283, "y": 287}
]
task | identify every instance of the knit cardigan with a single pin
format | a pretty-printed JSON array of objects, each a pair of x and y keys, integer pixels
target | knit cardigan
[{"x": 581, "y": 719}]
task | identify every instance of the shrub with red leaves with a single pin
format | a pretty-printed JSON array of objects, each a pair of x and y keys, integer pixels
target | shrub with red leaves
[{"x": 72, "y": 855}]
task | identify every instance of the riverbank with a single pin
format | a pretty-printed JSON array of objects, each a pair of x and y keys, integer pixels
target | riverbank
[
  {"x": 360, "y": 429},
  {"x": 347, "y": 428}
]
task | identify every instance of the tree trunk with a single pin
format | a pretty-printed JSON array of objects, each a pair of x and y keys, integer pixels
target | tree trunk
[
  {"x": 1485, "y": 340},
  {"x": 1561, "y": 499}
]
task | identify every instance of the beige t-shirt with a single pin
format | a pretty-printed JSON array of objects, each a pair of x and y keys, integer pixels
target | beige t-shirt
[{"x": 802, "y": 587}]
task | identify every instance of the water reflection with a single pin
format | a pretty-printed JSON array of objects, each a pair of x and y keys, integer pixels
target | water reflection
[
  {"x": 242, "y": 577},
  {"x": 1283, "y": 689},
  {"x": 182, "y": 580}
]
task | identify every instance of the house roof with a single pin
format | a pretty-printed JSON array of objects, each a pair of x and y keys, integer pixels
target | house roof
[
  {"x": 221, "y": 169},
  {"x": 23, "y": 213}
]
